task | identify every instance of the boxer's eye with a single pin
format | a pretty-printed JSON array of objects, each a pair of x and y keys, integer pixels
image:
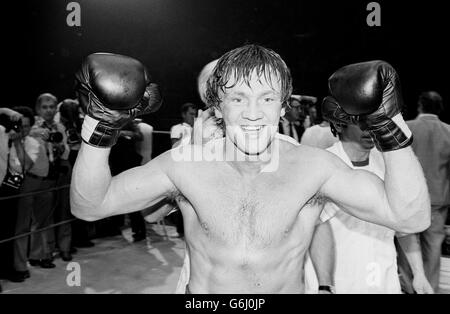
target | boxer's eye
[{"x": 235, "y": 99}]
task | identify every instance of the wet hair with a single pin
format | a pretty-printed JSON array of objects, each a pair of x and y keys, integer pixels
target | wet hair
[
  {"x": 431, "y": 102},
  {"x": 239, "y": 64},
  {"x": 27, "y": 112},
  {"x": 43, "y": 97}
]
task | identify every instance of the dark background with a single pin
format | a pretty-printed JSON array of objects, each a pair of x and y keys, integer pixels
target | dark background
[{"x": 176, "y": 38}]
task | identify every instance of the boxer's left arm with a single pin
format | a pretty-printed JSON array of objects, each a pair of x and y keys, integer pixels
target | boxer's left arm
[
  {"x": 368, "y": 94},
  {"x": 400, "y": 202},
  {"x": 322, "y": 253}
]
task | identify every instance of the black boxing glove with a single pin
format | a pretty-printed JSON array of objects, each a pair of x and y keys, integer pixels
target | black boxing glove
[
  {"x": 113, "y": 89},
  {"x": 332, "y": 112},
  {"x": 370, "y": 94}
]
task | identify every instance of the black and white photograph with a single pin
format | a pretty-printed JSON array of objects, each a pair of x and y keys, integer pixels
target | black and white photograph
[{"x": 223, "y": 147}]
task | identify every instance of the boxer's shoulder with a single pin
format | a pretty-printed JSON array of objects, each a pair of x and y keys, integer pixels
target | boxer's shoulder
[
  {"x": 312, "y": 161},
  {"x": 303, "y": 153}
]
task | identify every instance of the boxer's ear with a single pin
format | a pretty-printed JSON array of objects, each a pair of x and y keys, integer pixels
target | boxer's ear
[
  {"x": 283, "y": 112},
  {"x": 218, "y": 113}
]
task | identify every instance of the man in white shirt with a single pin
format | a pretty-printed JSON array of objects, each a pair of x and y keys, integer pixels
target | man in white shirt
[
  {"x": 181, "y": 133},
  {"x": 366, "y": 258},
  {"x": 319, "y": 135},
  {"x": 145, "y": 147},
  {"x": 25, "y": 154},
  {"x": 60, "y": 169}
]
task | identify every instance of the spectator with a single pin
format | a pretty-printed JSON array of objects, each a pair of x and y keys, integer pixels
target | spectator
[
  {"x": 312, "y": 114},
  {"x": 60, "y": 171},
  {"x": 13, "y": 135},
  {"x": 71, "y": 117},
  {"x": 181, "y": 133},
  {"x": 432, "y": 146},
  {"x": 145, "y": 147},
  {"x": 33, "y": 212},
  {"x": 123, "y": 157},
  {"x": 71, "y": 120},
  {"x": 290, "y": 124}
]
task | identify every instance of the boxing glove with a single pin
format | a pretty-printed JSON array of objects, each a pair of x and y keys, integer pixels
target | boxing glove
[
  {"x": 332, "y": 112},
  {"x": 113, "y": 89},
  {"x": 369, "y": 94}
]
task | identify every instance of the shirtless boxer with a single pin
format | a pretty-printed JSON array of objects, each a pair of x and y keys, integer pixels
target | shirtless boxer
[
  {"x": 246, "y": 232},
  {"x": 206, "y": 128}
]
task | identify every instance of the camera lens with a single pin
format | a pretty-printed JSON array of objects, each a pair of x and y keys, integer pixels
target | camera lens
[{"x": 55, "y": 137}]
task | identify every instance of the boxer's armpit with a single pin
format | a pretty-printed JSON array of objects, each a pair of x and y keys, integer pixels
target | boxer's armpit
[
  {"x": 317, "y": 199},
  {"x": 174, "y": 195}
]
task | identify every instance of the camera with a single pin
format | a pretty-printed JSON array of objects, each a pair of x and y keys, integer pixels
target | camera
[
  {"x": 73, "y": 137},
  {"x": 10, "y": 125},
  {"x": 13, "y": 180},
  {"x": 55, "y": 137}
]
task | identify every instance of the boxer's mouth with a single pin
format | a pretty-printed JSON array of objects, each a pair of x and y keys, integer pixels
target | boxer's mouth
[{"x": 252, "y": 128}]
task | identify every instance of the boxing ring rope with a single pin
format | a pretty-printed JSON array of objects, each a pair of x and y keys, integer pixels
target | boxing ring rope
[
  {"x": 37, "y": 230},
  {"x": 34, "y": 193},
  {"x": 3, "y": 198},
  {"x": 161, "y": 132}
]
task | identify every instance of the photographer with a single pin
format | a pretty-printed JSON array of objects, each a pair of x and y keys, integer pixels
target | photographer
[
  {"x": 55, "y": 137},
  {"x": 23, "y": 154},
  {"x": 7, "y": 116},
  {"x": 71, "y": 116}
]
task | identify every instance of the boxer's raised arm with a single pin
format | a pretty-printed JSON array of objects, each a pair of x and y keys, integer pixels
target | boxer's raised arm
[
  {"x": 95, "y": 194},
  {"x": 368, "y": 94},
  {"x": 400, "y": 202},
  {"x": 113, "y": 90}
]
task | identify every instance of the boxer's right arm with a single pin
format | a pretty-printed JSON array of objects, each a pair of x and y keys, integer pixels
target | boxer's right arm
[
  {"x": 95, "y": 194},
  {"x": 113, "y": 89}
]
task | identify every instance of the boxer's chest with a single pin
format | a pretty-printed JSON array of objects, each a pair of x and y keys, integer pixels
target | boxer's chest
[{"x": 260, "y": 212}]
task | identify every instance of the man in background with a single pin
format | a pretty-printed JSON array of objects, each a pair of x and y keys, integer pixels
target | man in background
[{"x": 432, "y": 146}]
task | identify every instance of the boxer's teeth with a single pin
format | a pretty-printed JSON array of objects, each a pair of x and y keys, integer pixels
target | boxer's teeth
[{"x": 251, "y": 128}]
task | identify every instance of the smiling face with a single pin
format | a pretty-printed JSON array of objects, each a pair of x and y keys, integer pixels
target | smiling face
[
  {"x": 251, "y": 112},
  {"x": 247, "y": 88}
]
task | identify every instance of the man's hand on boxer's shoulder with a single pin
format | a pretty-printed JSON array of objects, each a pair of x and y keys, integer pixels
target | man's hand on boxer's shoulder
[
  {"x": 113, "y": 89},
  {"x": 205, "y": 127}
]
